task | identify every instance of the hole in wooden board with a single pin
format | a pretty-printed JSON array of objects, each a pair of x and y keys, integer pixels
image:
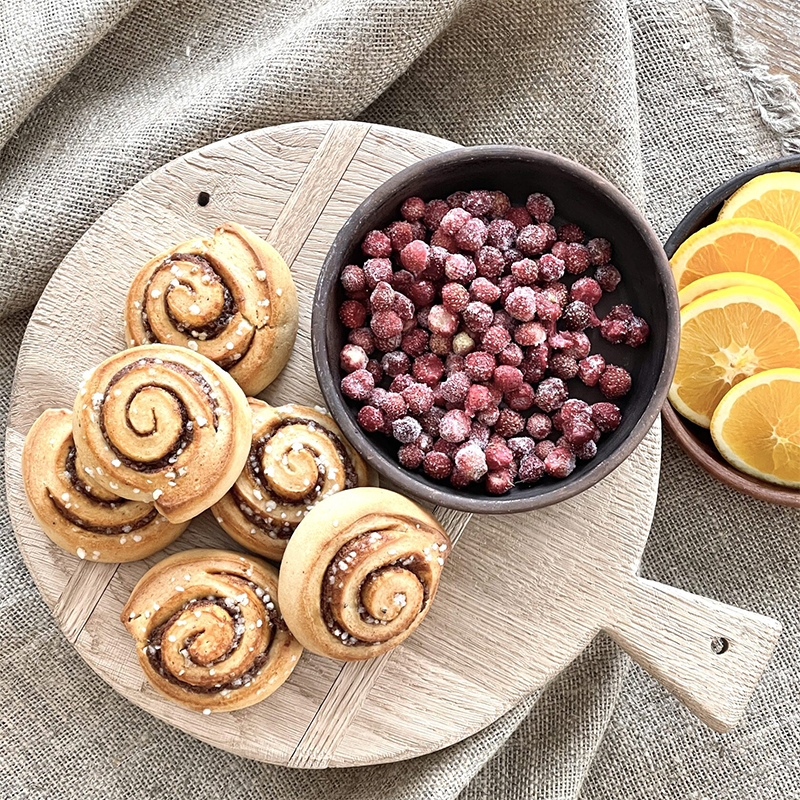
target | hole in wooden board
[
  {"x": 203, "y": 198},
  {"x": 719, "y": 645}
]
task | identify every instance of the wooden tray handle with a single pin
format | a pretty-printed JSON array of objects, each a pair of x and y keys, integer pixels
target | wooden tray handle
[{"x": 708, "y": 654}]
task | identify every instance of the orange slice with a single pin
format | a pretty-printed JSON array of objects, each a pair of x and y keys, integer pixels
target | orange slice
[
  {"x": 774, "y": 197},
  {"x": 725, "y": 280},
  {"x": 741, "y": 245},
  {"x": 756, "y": 426},
  {"x": 727, "y": 336}
]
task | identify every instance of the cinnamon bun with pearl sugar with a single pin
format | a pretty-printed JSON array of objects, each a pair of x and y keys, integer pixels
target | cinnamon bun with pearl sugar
[
  {"x": 74, "y": 511},
  {"x": 208, "y": 630},
  {"x": 360, "y": 573},
  {"x": 229, "y": 297},
  {"x": 164, "y": 425},
  {"x": 298, "y": 457}
]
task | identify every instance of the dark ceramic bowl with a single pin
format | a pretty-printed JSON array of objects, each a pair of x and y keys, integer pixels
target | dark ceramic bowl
[
  {"x": 580, "y": 196},
  {"x": 696, "y": 441}
]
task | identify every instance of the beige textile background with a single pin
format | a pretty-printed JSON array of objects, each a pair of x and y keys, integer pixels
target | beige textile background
[{"x": 660, "y": 96}]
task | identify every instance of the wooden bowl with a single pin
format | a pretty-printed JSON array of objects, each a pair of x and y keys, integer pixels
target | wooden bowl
[
  {"x": 580, "y": 196},
  {"x": 696, "y": 441}
]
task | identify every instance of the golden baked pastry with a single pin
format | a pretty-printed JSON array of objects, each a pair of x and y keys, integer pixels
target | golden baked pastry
[
  {"x": 75, "y": 511},
  {"x": 360, "y": 573},
  {"x": 298, "y": 457},
  {"x": 163, "y": 425},
  {"x": 208, "y": 629},
  {"x": 230, "y": 297}
]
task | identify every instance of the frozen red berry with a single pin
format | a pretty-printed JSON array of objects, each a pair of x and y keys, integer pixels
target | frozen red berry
[
  {"x": 622, "y": 311},
  {"x": 357, "y": 385},
  {"x": 395, "y": 363},
  {"x": 478, "y": 317},
  {"x": 479, "y": 202},
  {"x": 495, "y": 339},
  {"x": 352, "y": 357},
  {"x": 521, "y": 446},
  {"x": 441, "y": 344},
  {"x": 413, "y": 209},
  {"x": 563, "y": 366},
  {"x": 500, "y": 204},
  {"x": 529, "y": 334},
  {"x": 540, "y": 207},
  {"x": 525, "y": 271},
  {"x": 386, "y": 324},
  {"x": 428, "y": 368},
  {"x": 509, "y": 423},
  {"x": 507, "y": 379},
  {"x": 531, "y": 240},
  {"x": 463, "y": 344},
  {"x": 579, "y": 429},
  {"x": 478, "y": 398},
  {"x": 560, "y": 463},
  {"x": 607, "y": 275},
  {"x": 406, "y": 430},
  {"x": 614, "y": 330},
  {"x": 489, "y": 415},
  {"x": 401, "y": 382},
  {"x": 480, "y": 366},
  {"x": 577, "y": 344},
  {"x": 455, "y": 297},
  {"x": 550, "y": 267},
  {"x": 591, "y": 368},
  {"x": 410, "y": 456},
  {"x": 401, "y": 280},
  {"x": 539, "y": 426},
  {"x": 499, "y": 481},
  {"x": 401, "y": 235},
  {"x": 371, "y": 419},
  {"x": 585, "y": 451},
  {"x": 437, "y": 465},
  {"x": 479, "y": 434},
  {"x": 511, "y": 355},
  {"x": 415, "y": 342},
  {"x": 363, "y": 338},
  {"x": 382, "y": 297},
  {"x": 521, "y": 398},
  {"x": 385, "y": 344},
  {"x": 586, "y": 290},
  {"x": 454, "y": 220},
  {"x": 615, "y": 382},
  {"x": 415, "y": 256},
  {"x": 522, "y": 303},
  {"x": 531, "y": 469},
  {"x": 352, "y": 314},
  {"x": 455, "y": 426},
  {"x": 576, "y": 260},
  {"x": 599, "y": 251},
  {"x": 570, "y": 232},
  {"x": 376, "y": 270},
  {"x": 547, "y": 310},
  {"x": 534, "y": 365},
  {"x": 456, "y": 199},
  {"x": 606, "y": 416},
  {"x": 455, "y": 388},
  {"x": 489, "y": 262},
  {"x": 430, "y": 421},
  {"x": 471, "y": 461},
  {"x": 501, "y": 233},
  {"x": 377, "y": 244},
  {"x": 544, "y": 448},
  {"x": 459, "y": 268},
  {"x": 442, "y": 241},
  {"x": 419, "y": 398},
  {"x": 551, "y": 394},
  {"x": 353, "y": 279},
  {"x": 441, "y": 320},
  {"x": 484, "y": 291},
  {"x": 393, "y": 405},
  {"x": 638, "y": 332},
  {"x": 519, "y": 216},
  {"x": 577, "y": 316},
  {"x": 434, "y": 213}
]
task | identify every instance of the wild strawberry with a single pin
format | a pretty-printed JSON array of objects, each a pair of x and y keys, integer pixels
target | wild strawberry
[
  {"x": 615, "y": 382},
  {"x": 377, "y": 244}
]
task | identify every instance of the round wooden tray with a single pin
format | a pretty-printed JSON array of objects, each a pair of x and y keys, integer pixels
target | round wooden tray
[{"x": 522, "y": 595}]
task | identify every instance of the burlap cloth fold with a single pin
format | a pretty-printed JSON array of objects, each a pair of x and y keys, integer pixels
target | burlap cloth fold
[{"x": 665, "y": 98}]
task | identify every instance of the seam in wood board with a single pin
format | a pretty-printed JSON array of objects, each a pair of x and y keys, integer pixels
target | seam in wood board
[{"x": 81, "y": 594}]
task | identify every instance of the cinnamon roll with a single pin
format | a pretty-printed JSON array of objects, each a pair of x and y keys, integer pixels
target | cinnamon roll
[
  {"x": 298, "y": 457},
  {"x": 208, "y": 630},
  {"x": 75, "y": 511},
  {"x": 360, "y": 573},
  {"x": 164, "y": 425},
  {"x": 229, "y": 297}
]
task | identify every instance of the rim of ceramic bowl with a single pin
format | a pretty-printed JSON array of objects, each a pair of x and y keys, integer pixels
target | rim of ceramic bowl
[
  {"x": 701, "y": 452},
  {"x": 388, "y": 192}
]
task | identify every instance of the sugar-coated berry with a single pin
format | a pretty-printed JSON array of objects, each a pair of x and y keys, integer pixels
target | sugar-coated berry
[
  {"x": 480, "y": 366},
  {"x": 455, "y": 426},
  {"x": 419, "y": 398},
  {"x": 456, "y": 199},
  {"x": 455, "y": 297},
  {"x": 363, "y": 338},
  {"x": 544, "y": 448},
  {"x": 463, "y": 344},
  {"x": 479, "y": 434},
  {"x": 522, "y": 303},
  {"x": 395, "y": 363},
  {"x": 352, "y": 314},
  {"x": 563, "y": 366},
  {"x": 478, "y": 398},
  {"x": 511, "y": 355},
  {"x": 357, "y": 385},
  {"x": 591, "y": 368},
  {"x": 599, "y": 251},
  {"x": 578, "y": 345},
  {"x": 434, "y": 213},
  {"x": 499, "y": 481},
  {"x": 442, "y": 320},
  {"x": 560, "y": 463},
  {"x": 415, "y": 256},
  {"x": 495, "y": 340},
  {"x": 540, "y": 207},
  {"x": 585, "y": 451},
  {"x": 377, "y": 244},
  {"x": 501, "y": 233},
  {"x": 406, "y": 430},
  {"x": 371, "y": 419},
  {"x": 415, "y": 342},
  {"x": 470, "y": 460},
  {"x": 489, "y": 415},
  {"x": 576, "y": 258},
  {"x": 410, "y": 456},
  {"x": 386, "y": 324},
  {"x": 526, "y": 271},
  {"x": 521, "y": 446},
  {"x": 385, "y": 344},
  {"x": 638, "y": 332},
  {"x": 478, "y": 317},
  {"x": 531, "y": 468},
  {"x": 587, "y": 290},
  {"x": 539, "y": 426},
  {"x": 570, "y": 232},
  {"x": 376, "y": 270},
  {"x": 382, "y": 297},
  {"x": 353, "y": 279},
  {"x": 521, "y": 398},
  {"x": 459, "y": 268},
  {"x": 519, "y": 216},
  {"x": 534, "y": 365},
  {"x": 401, "y": 280},
  {"x": 393, "y": 405},
  {"x": 608, "y": 276},
  {"x": 441, "y": 344},
  {"x": 455, "y": 388},
  {"x": 489, "y": 262},
  {"x": 547, "y": 310},
  {"x": 550, "y": 267},
  {"x": 579, "y": 429},
  {"x": 352, "y": 357},
  {"x": 529, "y": 334},
  {"x": 500, "y": 204},
  {"x": 509, "y": 423},
  {"x": 401, "y": 382},
  {"x": 443, "y": 241},
  {"x": 615, "y": 382},
  {"x": 479, "y": 202},
  {"x": 431, "y": 420},
  {"x": 428, "y": 368},
  {"x": 401, "y": 235},
  {"x": 606, "y": 416},
  {"x": 471, "y": 236},
  {"x": 621, "y": 311},
  {"x": 551, "y": 394},
  {"x": 413, "y": 209},
  {"x": 376, "y": 396},
  {"x": 437, "y": 465},
  {"x": 484, "y": 291},
  {"x": 507, "y": 379},
  {"x": 577, "y": 316},
  {"x": 614, "y": 330},
  {"x": 531, "y": 240},
  {"x": 454, "y": 220}
]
